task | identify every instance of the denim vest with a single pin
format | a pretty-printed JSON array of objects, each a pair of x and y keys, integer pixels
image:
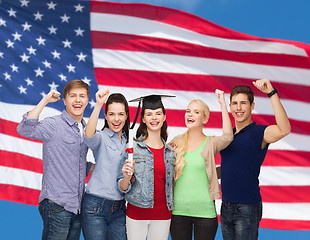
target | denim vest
[{"x": 140, "y": 192}]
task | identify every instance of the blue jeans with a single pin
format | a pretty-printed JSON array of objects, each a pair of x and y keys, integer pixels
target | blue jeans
[
  {"x": 58, "y": 223},
  {"x": 240, "y": 221},
  {"x": 103, "y": 219}
]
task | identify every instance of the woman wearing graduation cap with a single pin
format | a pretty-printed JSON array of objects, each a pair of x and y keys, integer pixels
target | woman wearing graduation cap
[
  {"x": 196, "y": 181},
  {"x": 149, "y": 195}
]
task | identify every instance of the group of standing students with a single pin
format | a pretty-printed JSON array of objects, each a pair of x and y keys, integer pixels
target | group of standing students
[
  {"x": 147, "y": 183},
  {"x": 168, "y": 187}
]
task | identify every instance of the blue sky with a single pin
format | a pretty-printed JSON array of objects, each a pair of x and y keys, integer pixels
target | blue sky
[{"x": 282, "y": 19}]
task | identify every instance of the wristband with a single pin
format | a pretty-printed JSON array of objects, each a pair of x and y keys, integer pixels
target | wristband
[{"x": 273, "y": 92}]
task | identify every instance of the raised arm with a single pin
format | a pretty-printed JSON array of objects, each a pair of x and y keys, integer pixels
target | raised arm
[
  {"x": 52, "y": 96},
  {"x": 274, "y": 133},
  {"x": 227, "y": 128},
  {"x": 101, "y": 97}
]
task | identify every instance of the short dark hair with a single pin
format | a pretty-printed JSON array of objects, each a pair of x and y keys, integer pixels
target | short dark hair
[
  {"x": 118, "y": 98},
  {"x": 243, "y": 89},
  {"x": 75, "y": 84}
]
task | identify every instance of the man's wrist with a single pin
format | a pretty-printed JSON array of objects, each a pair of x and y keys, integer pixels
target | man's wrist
[{"x": 273, "y": 92}]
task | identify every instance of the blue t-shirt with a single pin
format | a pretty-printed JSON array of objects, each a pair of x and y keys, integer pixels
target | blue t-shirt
[{"x": 240, "y": 166}]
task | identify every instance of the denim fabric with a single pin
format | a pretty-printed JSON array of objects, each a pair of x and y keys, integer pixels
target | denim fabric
[
  {"x": 140, "y": 192},
  {"x": 103, "y": 219},
  {"x": 240, "y": 221},
  {"x": 58, "y": 223}
]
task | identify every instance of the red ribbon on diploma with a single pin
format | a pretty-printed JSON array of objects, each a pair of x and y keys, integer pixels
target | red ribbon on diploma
[{"x": 129, "y": 150}]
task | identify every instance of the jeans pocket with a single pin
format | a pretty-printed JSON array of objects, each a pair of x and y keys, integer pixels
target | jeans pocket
[
  {"x": 90, "y": 208},
  {"x": 54, "y": 207},
  {"x": 140, "y": 165},
  {"x": 246, "y": 211}
]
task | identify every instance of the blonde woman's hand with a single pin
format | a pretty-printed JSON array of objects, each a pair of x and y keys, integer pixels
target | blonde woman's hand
[{"x": 220, "y": 96}]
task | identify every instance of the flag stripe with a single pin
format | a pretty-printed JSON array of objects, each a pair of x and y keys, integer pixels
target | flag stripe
[
  {"x": 12, "y": 144},
  {"x": 127, "y": 42},
  {"x": 287, "y": 158},
  {"x": 20, "y": 161},
  {"x": 19, "y": 194},
  {"x": 284, "y": 176},
  {"x": 19, "y": 177},
  {"x": 9, "y": 128},
  {"x": 116, "y": 59},
  {"x": 283, "y": 158},
  {"x": 285, "y": 224},
  {"x": 285, "y": 194},
  {"x": 184, "y": 82}
]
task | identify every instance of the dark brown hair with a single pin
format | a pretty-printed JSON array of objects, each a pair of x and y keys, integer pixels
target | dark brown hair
[
  {"x": 243, "y": 89},
  {"x": 118, "y": 98},
  {"x": 75, "y": 84},
  {"x": 142, "y": 130}
]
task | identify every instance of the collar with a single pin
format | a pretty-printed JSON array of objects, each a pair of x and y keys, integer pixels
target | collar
[
  {"x": 111, "y": 134},
  {"x": 245, "y": 128},
  {"x": 66, "y": 116}
]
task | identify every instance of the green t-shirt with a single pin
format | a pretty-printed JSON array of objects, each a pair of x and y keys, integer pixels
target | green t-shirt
[{"x": 191, "y": 191}]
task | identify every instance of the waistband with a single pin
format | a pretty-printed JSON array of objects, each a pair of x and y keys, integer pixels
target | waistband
[
  {"x": 236, "y": 204},
  {"x": 104, "y": 201}
]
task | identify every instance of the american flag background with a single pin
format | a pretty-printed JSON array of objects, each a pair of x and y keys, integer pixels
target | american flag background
[{"x": 139, "y": 49}]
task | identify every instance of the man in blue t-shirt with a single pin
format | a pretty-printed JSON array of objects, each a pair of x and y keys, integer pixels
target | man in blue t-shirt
[{"x": 241, "y": 209}]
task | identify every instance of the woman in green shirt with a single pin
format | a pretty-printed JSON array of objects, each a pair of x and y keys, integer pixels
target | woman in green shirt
[{"x": 196, "y": 181}]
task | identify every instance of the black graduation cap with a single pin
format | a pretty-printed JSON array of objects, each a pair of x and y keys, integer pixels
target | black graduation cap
[{"x": 149, "y": 102}]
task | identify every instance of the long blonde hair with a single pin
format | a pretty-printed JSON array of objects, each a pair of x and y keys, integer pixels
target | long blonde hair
[{"x": 182, "y": 142}]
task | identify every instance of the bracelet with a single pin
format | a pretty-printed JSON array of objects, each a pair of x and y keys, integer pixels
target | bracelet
[{"x": 273, "y": 92}]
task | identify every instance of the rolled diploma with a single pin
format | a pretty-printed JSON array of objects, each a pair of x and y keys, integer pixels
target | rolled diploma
[{"x": 130, "y": 147}]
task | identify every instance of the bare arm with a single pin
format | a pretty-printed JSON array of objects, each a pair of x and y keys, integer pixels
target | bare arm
[
  {"x": 101, "y": 97},
  {"x": 274, "y": 133},
  {"x": 52, "y": 96},
  {"x": 227, "y": 128}
]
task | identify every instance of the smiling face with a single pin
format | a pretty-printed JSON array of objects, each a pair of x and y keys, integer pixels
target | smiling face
[
  {"x": 241, "y": 109},
  {"x": 154, "y": 119},
  {"x": 76, "y": 101},
  {"x": 116, "y": 117},
  {"x": 195, "y": 116}
]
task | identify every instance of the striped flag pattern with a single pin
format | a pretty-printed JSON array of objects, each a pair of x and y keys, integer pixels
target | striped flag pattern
[{"x": 140, "y": 49}]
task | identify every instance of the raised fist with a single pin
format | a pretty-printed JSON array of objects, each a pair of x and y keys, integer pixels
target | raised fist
[{"x": 102, "y": 95}]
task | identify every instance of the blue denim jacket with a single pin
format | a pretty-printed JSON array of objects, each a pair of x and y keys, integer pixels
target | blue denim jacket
[{"x": 140, "y": 192}]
